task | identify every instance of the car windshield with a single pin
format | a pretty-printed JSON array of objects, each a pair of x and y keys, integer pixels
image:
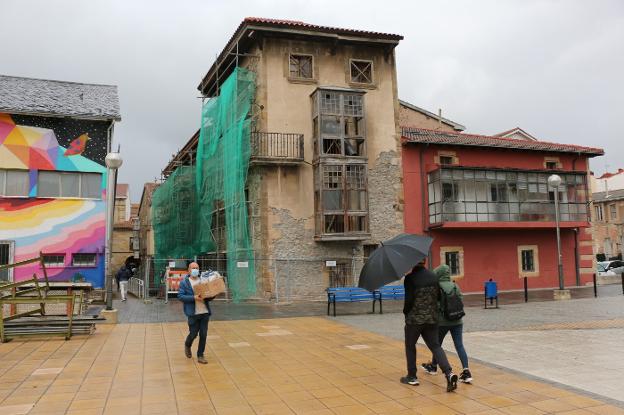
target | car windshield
[{"x": 602, "y": 266}]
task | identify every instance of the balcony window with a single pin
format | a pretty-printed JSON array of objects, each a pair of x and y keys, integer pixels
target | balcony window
[
  {"x": 471, "y": 195},
  {"x": 339, "y": 124},
  {"x": 341, "y": 199}
]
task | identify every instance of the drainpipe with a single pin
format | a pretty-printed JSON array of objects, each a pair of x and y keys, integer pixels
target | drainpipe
[
  {"x": 109, "y": 136},
  {"x": 422, "y": 199},
  {"x": 577, "y": 259}
]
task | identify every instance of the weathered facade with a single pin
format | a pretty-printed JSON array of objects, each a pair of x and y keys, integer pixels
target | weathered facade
[
  {"x": 324, "y": 184},
  {"x": 124, "y": 239},
  {"x": 608, "y": 223}
]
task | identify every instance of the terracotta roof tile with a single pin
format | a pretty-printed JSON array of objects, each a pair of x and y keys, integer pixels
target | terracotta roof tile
[
  {"x": 421, "y": 135},
  {"x": 319, "y": 28}
]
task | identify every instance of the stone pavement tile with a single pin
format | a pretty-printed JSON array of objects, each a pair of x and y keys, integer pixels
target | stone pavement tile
[
  {"x": 552, "y": 405},
  {"x": 336, "y": 401},
  {"x": 279, "y": 408},
  {"x": 436, "y": 410},
  {"x": 521, "y": 410},
  {"x": 386, "y": 407},
  {"x": 576, "y": 412},
  {"x": 20, "y": 409},
  {"x": 497, "y": 401},
  {"x": 352, "y": 410},
  {"x": 90, "y": 411},
  {"x": 87, "y": 404},
  {"x": 605, "y": 410}
]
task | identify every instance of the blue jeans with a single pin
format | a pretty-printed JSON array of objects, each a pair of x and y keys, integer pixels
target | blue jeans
[
  {"x": 198, "y": 324},
  {"x": 456, "y": 334}
]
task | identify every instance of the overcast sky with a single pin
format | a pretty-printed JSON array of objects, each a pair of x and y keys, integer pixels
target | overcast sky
[{"x": 553, "y": 68}]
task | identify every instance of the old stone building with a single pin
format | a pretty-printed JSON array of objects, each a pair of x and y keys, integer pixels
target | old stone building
[
  {"x": 324, "y": 182},
  {"x": 123, "y": 229},
  {"x": 608, "y": 223}
]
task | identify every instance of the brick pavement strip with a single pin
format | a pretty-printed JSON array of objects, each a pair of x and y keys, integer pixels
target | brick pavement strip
[{"x": 310, "y": 367}]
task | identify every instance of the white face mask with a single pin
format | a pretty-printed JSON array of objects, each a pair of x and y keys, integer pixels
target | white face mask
[{"x": 194, "y": 272}]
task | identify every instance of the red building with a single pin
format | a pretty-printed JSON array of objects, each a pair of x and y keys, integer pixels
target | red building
[{"x": 487, "y": 204}]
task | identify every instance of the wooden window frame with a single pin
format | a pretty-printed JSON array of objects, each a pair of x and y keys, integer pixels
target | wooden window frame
[
  {"x": 558, "y": 165},
  {"x": 460, "y": 250},
  {"x": 372, "y": 71},
  {"x": 452, "y": 154},
  {"x": 536, "y": 271},
  {"x": 311, "y": 79}
]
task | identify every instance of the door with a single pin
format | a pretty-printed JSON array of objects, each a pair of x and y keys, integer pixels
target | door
[{"x": 6, "y": 257}]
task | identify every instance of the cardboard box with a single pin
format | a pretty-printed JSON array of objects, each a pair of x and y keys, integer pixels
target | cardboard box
[{"x": 208, "y": 288}]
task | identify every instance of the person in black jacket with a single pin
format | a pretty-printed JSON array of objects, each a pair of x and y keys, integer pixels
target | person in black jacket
[
  {"x": 421, "y": 318},
  {"x": 123, "y": 276}
]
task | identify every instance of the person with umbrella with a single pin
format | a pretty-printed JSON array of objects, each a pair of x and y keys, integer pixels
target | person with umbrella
[{"x": 401, "y": 256}]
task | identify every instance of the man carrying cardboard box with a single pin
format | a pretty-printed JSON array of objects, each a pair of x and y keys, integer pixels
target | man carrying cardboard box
[{"x": 197, "y": 310}]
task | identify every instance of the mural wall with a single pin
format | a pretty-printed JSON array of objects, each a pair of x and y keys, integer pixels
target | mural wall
[{"x": 59, "y": 226}]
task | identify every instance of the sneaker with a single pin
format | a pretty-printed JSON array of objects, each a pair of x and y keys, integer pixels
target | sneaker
[
  {"x": 410, "y": 380},
  {"x": 123, "y": 299},
  {"x": 187, "y": 351},
  {"x": 451, "y": 382},
  {"x": 202, "y": 360},
  {"x": 429, "y": 368},
  {"x": 465, "y": 376}
]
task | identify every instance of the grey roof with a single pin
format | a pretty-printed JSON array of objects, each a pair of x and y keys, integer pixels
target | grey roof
[
  {"x": 616, "y": 194},
  {"x": 456, "y": 126},
  {"x": 45, "y": 97}
]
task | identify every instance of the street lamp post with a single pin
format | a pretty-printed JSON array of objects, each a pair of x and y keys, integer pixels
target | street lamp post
[
  {"x": 554, "y": 181},
  {"x": 113, "y": 163}
]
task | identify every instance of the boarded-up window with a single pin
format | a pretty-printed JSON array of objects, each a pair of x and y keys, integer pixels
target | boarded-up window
[
  {"x": 301, "y": 66},
  {"x": 361, "y": 72}
]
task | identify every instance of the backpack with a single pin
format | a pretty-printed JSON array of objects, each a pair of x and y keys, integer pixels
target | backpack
[{"x": 452, "y": 305}]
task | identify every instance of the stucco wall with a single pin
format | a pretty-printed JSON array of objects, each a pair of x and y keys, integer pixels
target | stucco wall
[
  {"x": 412, "y": 118},
  {"x": 284, "y": 196}
]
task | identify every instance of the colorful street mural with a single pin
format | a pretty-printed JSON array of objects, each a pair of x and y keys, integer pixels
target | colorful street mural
[{"x": 61, "y": 226}]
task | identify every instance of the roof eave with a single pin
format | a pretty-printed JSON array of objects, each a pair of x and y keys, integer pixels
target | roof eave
[
  {"x": 589, "y": 153},
  {"x": 63, "y": 115},
  {"x": 246, "y": 27}
]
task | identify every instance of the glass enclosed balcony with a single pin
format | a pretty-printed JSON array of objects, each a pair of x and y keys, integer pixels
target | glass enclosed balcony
[{"x": 478, "y": 195}]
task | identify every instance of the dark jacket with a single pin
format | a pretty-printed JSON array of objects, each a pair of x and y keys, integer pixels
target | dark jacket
[
  {"x": 187, "y": 296},
  {"x": 444, "y": 278},
  {"x": 421, "y": 297},
  {"x": 124, "y": 274}
]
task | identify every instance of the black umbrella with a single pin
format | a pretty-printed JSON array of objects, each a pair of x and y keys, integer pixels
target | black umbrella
[{"x": 393, "y": 259}]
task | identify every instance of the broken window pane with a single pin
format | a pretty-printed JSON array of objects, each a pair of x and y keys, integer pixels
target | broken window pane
[
  {"x": 330, "y": 125},
  {"x": 362, "y": 72},
  {"x": 330, "y": 102},
  {"x": 334, "y": 224},
  {"x": 301, "y": 66}
]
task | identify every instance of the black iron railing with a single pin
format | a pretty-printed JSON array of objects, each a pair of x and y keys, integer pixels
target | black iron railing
[{"x": 286, "y": 147}]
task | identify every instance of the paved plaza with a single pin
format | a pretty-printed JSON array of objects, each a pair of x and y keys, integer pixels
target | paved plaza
[
  {"x": 302, "y": 365},
  {"x": 577, "y": 343}
]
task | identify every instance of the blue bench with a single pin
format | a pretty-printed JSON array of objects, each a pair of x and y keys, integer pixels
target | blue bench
[
  {"x": 348, "y": 295},
  {"x": 388, "y": 292}
]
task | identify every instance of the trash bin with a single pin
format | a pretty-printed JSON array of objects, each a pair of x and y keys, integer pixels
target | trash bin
[{"x": 491, "y": 292}]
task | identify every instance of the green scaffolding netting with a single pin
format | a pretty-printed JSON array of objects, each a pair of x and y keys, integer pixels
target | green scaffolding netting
[{"x": 185, "y": 205}]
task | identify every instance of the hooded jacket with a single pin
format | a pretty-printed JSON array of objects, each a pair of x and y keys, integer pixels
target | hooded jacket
[
  {"x": 421, "y": 297},
  {"x": 443, "y": 272}
]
